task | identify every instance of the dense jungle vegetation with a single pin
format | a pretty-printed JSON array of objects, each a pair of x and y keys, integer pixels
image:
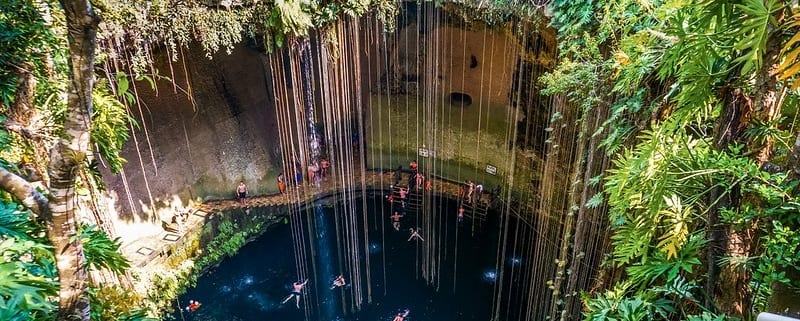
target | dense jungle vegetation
[{"x": 701, "y": 101}]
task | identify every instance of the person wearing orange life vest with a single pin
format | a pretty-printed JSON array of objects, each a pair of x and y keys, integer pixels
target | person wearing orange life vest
[
  {"x": 281, "y": 184},
  {"x": 193, "y": 305}
]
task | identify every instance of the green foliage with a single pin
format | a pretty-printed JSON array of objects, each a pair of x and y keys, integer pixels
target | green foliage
[
  {"x": 114, "y": 303},
  {"x": 664, "y": 70},
  {"x": 27, "y": 269},
  {"x": 229, "y": 240},
  {"x": 25, "y": 37},
  {"x": 101, "y": 251},
  {"x": 790, "y": 67},
  {"x": 779, "y": 257},
  {"x": 612, "y": 306},
  {"x": 110, "y": 124},
  {"x": 176, "y": 23},
  {"x": 757, "y": 20}
]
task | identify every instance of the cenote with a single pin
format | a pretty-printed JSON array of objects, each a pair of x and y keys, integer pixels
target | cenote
[{"x": 252, "y": 284}]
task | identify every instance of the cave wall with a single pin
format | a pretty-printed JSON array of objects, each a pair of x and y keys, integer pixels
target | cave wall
[
  {"x": 476, "y": 63},
  {"x": 198, "y": 138}
]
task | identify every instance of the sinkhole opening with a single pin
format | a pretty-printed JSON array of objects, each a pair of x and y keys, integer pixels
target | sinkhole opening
[
  {"x": 460, "y": 99},
  {"x": 254, "y": 284}
]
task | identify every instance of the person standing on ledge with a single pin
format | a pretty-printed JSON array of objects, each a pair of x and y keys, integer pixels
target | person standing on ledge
[
  {"x": 324, "y": 167},
  {"x": 281, "y": 184},
  {"x": 241, "y": 193}
]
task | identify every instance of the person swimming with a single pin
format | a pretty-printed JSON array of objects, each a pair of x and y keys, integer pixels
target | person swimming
[
  {"x": 338, "y": 282},
  {"x": 193, "y": 305},
  {"x": 415, "y": 234},
  {"x": 401, "y": 315},
  {"x": 296, "y": 293},
  {"x": 396, "y": 221}
]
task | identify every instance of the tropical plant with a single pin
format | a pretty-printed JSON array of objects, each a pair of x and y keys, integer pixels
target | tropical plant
[
  {"x": 113, "y": 303},
  {"x": 27, "y": 270},
  {"x": 697, "y": 79},
  {"x": 102, "y": 252},
  {"x": 110, "y": 123}
]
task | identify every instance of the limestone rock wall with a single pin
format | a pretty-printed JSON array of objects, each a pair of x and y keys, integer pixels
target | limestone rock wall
[
  {"x": 199, "y": 138},
  {"x": 479, "y": 64}
]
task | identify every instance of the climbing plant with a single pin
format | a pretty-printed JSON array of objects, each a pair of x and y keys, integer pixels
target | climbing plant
[{"x": 699, "y": 132}]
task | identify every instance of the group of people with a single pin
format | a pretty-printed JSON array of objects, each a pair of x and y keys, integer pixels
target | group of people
[
  {"x": 316, "y": 171},
  {"x": 471, "y": 192},
  {"x": 297, "y": 292},
  {"x": 297, "y": 289},
  {"x": 193, "y": 305}
]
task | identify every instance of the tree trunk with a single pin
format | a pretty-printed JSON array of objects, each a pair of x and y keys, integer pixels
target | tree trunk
[
  {"x": 70, "y": 153},
  {"x": 727, "y": 285},
  {"x": 728, "y": 129}
]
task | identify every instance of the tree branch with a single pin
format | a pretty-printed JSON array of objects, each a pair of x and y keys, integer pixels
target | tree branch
[
  {"x": 25, "y": 192},
  {"x": 14, "y": 126}
]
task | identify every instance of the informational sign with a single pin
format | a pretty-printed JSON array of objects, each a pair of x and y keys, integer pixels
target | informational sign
[
  {"x": 423, "y": 152},
  {"x": 491, "y": 169}
]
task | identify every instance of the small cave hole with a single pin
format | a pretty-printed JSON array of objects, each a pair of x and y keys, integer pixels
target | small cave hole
[
  {"x": 460, "y": 99},
  {"x": 473, "y": 61}
]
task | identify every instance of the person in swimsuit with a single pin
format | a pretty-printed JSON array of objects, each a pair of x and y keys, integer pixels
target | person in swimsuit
[
  {"x": 460, "y": 213},
  {"x": 193, "y": 305},
  {"x": 338, "y": 282},
  {"x": 296, "y": 293},
  {"x": 401, "y": 315},
  {"x": 415, "y": 234},
  {"x": 324, "y": 165},
  {"x": 241, "y": 193},
  {"x": 471, "y": 189},
  {"x": 396, "y": 221},
  {"x": 403, "y": 192}
]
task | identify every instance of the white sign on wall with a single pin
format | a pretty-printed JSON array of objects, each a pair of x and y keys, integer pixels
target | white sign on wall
[
  {"x": 423, "y": 152},
  {"x": 491, "y": 169}
]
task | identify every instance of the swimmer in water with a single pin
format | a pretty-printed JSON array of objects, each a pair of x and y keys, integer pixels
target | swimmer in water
[
  {"x": 415, "y": 234},
  {"x": 396, "y": 221},
  {"x": 193, "y": 305},
  {"x": 401, "y": 315},
  {"x": 296, "y": 293},
  {"x": 339, "y": 282}
]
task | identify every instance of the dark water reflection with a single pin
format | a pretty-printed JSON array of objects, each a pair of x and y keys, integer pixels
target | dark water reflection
[{"x": 251, "y": 285}]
